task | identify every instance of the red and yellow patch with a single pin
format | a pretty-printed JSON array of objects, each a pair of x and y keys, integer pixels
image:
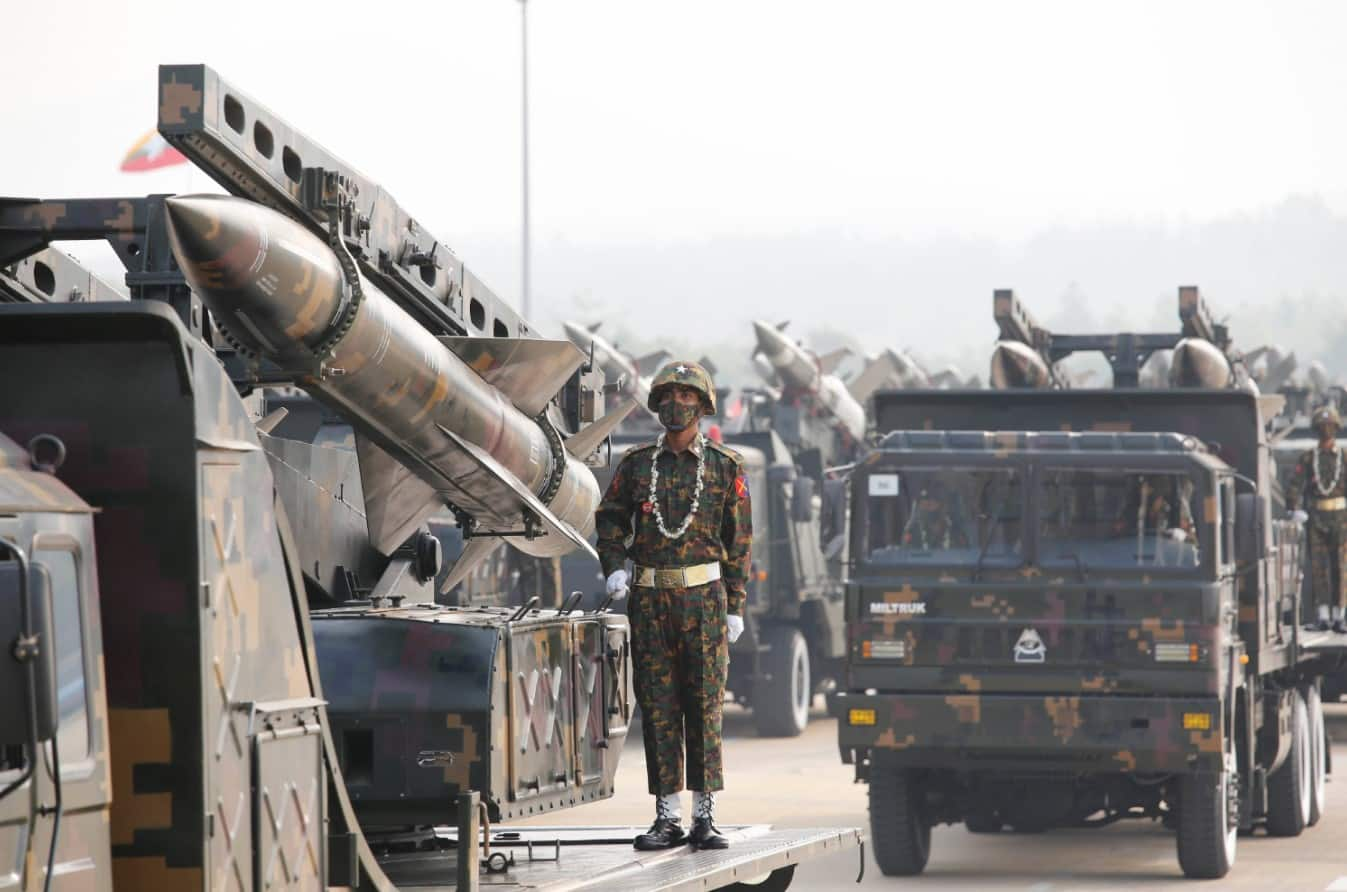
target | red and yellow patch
[{"x": 741, "y": 486}]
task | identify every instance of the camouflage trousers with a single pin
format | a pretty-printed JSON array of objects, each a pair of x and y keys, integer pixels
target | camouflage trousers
[
  {"x": 680, "y": 656},
  {"x": 1326, "y": 536}
]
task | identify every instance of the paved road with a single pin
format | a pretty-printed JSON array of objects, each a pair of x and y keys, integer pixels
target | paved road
[{"x": 801, "y": 782}]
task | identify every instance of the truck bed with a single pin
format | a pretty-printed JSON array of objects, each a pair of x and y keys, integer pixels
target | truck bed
[{"x": 601, "y": 859}]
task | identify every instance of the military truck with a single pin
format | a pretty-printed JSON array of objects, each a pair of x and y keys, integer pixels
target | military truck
[
  {"x": 235, "y": 629},
  {"x": 1078, "y": 612}
]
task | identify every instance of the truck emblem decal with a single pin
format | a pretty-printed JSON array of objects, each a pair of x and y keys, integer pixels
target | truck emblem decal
[
  {"x": 1030, "y": 649},
  {"x": 900, "y": 608}
]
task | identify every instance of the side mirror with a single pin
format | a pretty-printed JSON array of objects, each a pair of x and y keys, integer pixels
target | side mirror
[
  {"x": 802, "y": 500},
  {"x": 19, "y": 655}
]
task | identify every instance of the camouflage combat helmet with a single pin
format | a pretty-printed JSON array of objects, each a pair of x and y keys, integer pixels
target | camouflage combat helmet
[
  {"x": 1325, "y": 416},
  {"x": 689, "y": 374}
]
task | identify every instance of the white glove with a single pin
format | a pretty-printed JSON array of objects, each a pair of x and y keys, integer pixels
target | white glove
[
  {"x": 734, "y": 625},
  {"x": 1299, "y": 517},
  {"x": 617, "y": 584},
  {"x": 1177, "y": 534}
]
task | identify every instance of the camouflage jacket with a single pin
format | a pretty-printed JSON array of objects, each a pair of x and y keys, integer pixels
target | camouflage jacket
[
  {"x": 722, "y": 530},
  {"x": 1301, "y": 490}
]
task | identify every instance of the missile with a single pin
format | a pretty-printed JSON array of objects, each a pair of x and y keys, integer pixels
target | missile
[
  {"x": 617, "y": 364},
  {"x": 456, "y": 422},
  {"x": 1017, "y": 366},
  {"x": 763, "y": 366},
  {"x": 1197, "y": 362},
  {"x": 802, "y": 376}
]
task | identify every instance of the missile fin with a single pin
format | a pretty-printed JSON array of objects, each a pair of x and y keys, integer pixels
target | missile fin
[
  {"x": 527, "y": 500},
  {"x": 275, "y": 417},
  {"x": 1270, "y": 405},
  {"x": 595, "y": 327},
  {"x": 650, "y": 363},
  {"x": 583, "y": 444},
  {"x": 528, "y": 371},
  {"x": 831, "y": 360},
  {"x": 475, "y": 550},
  {"x": 396, "y": 500}
]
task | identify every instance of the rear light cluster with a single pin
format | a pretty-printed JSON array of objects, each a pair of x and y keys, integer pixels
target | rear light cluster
[
  {"x": 885, "y": 649},
  {"x": 1178, "y": 652}
]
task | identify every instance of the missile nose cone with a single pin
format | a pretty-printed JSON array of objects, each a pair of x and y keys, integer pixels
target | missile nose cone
[
  {"x": 1016, "y": 365},
  {"x": 1199, "y": 363},
  {"x": 769, "y": 339},
  {"x": 209, "y": 229},
  {"x": 269, "y": 282}
]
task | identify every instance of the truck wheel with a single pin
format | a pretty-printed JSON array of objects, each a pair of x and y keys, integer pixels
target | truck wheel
[
  {"x": 781, "y": 706},
  {"x": 898, "y": 825},
  {"x": 1290, "y": 787},
  {"x": 1318, "y": 753},
  {"x": 1209, "y": 820}
]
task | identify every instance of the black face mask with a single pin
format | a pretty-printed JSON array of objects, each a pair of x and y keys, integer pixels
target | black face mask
[{"x": 676, "y": 416}]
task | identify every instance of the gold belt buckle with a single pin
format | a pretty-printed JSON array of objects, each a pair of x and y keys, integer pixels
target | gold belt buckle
[
  {"x": 676, "y": 577},
  {"x": 1338, "y": 504}
]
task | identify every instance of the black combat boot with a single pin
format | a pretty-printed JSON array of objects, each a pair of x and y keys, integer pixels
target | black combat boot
[
  {"x": 704, "y": 834},
  {"x": 667, "y": 831}
]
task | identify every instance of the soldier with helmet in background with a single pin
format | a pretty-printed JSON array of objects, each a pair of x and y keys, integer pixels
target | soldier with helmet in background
[
  {"x": 1317, "y": 497},
  {"x": 679, "y": 509}
]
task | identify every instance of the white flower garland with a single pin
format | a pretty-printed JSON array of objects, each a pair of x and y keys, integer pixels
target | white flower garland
[
  {"x": 696, "y": 494},
  {"x": 1337, "y": 472}
]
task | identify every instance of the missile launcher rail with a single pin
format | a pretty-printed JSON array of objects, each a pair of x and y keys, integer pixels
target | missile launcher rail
[{"x": 1126, "y": 352}]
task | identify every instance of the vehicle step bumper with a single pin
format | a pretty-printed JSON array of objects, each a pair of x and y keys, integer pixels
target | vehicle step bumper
[{"x": 1036, "y": 733}]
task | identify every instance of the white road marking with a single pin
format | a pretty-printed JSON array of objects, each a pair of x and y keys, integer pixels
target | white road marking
[{"x": 1338, "y": 885}]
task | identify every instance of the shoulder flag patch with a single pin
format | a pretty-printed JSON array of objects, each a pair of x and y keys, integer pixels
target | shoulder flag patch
[{"x": 741, "y": 486}]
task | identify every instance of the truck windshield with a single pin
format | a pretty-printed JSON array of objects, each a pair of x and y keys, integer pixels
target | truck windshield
[
  {"x": 1117, "y": 519},
  {"x": 944, "y": 516}
]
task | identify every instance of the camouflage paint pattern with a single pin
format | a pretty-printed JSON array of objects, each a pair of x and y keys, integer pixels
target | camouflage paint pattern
[
  {"x": 197, "y": 610},
  {"x": 1065, "y": 732},
  {"x": 721, "y": 532},
  {"x": 432, "y": 406},
  {"x": 1022, "y": 668},
  {"x": 532, "y": 714},
  {"x": 679, "y": 646},
  {"x": 681, "y": 658},
  {"x": 1326, "y": 531}
]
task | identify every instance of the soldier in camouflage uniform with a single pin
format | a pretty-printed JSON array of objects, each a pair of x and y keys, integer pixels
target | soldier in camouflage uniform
[
  {"x": 1317, "y": 493},
  {"x": 679, "y": 510}
]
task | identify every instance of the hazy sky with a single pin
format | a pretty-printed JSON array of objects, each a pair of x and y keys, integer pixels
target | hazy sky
[{"x": 659, "y": 124}]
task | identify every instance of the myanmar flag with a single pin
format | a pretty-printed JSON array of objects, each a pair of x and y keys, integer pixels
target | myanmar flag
[{"x": 151, "y": 152}]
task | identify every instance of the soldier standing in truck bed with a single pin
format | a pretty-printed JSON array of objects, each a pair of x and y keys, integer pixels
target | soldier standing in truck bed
[
  {"x": 1317, "y": 493},
  {"x": 679, "y": 509}
]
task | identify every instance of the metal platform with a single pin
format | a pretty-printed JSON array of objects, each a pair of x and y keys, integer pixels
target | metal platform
[
  {"x": 1324, "y": 643},
  {"x": 601, "y": 859}
]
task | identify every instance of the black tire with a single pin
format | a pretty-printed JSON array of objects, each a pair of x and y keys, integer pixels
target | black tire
[
  {"x": 777, "y": 881},
  {"x": 1208, "y": 825},
  {"x": 899, "y": 831},
  {"x": 983, "y": 822},
  {"x": 1289, "y": 788},
  {"x": 1314, "y": 708},
  {"x": 781, "y": 701}
]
